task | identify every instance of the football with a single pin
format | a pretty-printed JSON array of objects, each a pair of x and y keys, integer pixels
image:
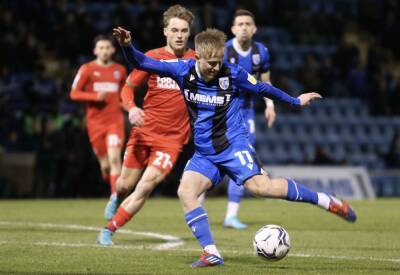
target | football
[{"x": 271, "y": 242}]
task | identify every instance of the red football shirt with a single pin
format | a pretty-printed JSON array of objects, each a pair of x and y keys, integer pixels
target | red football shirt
[
  {"x": 93, "y": 78},
  {"x": 166, "y": 118}
]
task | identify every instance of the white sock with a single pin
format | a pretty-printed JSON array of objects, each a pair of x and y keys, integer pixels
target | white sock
[
  {"x": 232, "y": 209},
  {"x": 323, "y": 200},
  {"x": 212, "y": 249}
]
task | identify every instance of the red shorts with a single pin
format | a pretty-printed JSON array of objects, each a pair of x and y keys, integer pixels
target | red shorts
[
  {"x": 161, "y": 157},
  {"x": 104, "y": 137}
]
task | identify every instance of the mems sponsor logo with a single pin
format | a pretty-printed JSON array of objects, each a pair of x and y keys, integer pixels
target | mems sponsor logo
[
  {"x": 166, "y": 83},
  {"x": 105, "y": 87},
  {"x": 214, "y": 100}
]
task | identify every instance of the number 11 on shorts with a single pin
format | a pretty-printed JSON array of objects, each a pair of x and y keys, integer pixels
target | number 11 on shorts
[{"x": 245, "y": 158}]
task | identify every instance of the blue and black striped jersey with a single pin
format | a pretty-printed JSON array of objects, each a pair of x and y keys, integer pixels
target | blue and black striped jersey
[
  {"x": 213, "y": 106},
  {"x": 255, "y": 61}
]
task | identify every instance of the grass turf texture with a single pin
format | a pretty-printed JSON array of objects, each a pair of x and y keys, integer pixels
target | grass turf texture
[{"x": 321, "y": 242}]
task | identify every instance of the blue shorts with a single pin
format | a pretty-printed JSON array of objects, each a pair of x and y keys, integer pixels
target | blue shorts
[{"x": 238, "y": 161}]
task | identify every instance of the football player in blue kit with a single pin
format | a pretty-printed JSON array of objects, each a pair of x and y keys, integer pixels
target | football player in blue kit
[
  {"x": 254, "y": 57},
  {"x": 210, "y": 88}
]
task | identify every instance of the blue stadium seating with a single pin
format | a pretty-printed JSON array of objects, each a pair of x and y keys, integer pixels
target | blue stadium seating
[
  {"x": 386, "y": 185},
  {"x": 341, "y": 126}
]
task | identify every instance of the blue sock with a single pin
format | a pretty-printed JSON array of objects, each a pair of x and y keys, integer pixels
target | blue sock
[
  {"x": 235, "y": 192},
  {"x": 298, "y": 192},
  {"x": 197, "y": 220}
]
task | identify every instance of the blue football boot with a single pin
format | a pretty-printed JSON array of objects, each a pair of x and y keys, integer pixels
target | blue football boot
[
  {"x": 105, "y": 237},
  {"x": 234, "y": 222}
]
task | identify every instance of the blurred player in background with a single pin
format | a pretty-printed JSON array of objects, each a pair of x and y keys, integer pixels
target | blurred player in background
[
  {"x": 159, "y": 132},
  {"x": 254, "y": 57},
  {"x": 210, "y": 87},
  {"x": 98, "y": 84}
]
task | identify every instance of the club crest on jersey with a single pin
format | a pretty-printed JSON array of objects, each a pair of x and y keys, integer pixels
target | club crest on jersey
[
  {"x": 232, "y": 60},
  {"x": 117, "y": 75},
  {"x": 251, "y": 79},
  {"x": 224, "y": 82},
  {"x": 96, "y": 74},
  {"x": 256, "y": 58}
]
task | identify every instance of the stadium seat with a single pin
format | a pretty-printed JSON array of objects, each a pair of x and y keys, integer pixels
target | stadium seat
[{"x": 343, "y": 126}]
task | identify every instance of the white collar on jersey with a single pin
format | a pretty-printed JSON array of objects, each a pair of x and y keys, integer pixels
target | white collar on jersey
[{"x": 237, "y": 48}]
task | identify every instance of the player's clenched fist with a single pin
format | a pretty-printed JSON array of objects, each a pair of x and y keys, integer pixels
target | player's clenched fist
[
  {"x": 122, "y": 35},
  {"x": 306, "y": 99},
  {"x": 136, "y": 117}
]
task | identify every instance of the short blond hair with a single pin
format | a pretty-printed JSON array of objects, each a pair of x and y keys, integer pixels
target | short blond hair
[
  {"x": 209, "y": 41},
  {"x": 180, "y": 12}
]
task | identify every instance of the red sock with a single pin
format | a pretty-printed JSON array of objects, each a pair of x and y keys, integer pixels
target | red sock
[
  {"x": 120, "y": 218},
  {"x": 113, "y": 183}
]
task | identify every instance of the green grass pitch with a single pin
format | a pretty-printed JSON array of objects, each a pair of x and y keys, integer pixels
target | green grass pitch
[{"x": 58, "y": 237}]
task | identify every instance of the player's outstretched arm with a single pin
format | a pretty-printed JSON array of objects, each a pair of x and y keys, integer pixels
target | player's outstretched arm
[
  {"x": 141, "y": 61},
  {"x": 307, "y": 98},
  {"x": 123, "y": 36},
  {"x": 302, "y": 100},
  {"x": 247, "y": 82}
]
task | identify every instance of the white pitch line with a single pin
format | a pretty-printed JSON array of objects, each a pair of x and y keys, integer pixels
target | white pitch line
[
  {"x": 93, "y": 245},
  {"x": 172, "y": 243}
]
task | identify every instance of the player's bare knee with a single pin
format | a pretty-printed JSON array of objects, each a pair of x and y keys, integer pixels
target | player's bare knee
[
  {"x": 180, "y": 192},
  {"x": 183, "y": 192},
  {"x": 122, "y": 186},
  {"x": 188, "y": 201},
  {"x": 188, "y": 198}
]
